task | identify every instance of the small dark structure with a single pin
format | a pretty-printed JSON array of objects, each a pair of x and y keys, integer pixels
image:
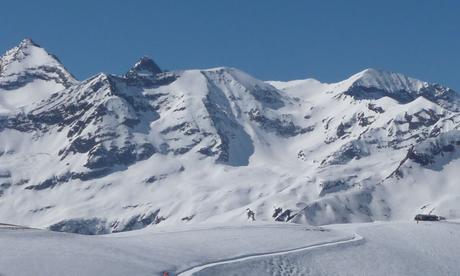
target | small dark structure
[
  {"x": 423, "y": 217},
  {"x": 250, "y": 214}
]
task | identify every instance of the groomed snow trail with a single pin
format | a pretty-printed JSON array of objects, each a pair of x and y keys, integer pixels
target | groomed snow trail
[{"x": 356, "y": 239}]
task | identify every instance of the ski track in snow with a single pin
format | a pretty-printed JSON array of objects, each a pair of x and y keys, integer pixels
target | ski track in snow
[{"x": 356, "y": 239}]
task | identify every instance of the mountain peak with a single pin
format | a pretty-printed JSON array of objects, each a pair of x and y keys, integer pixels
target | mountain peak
[
  {"x": 27, "y": 42},
  {"x": 144, "y": 67},
  {"x": 385, "y": 80},
  {"x": 28, "y": 55},
  {"x": 32, "y": 73},
  {"x": 375, "y": 84}
]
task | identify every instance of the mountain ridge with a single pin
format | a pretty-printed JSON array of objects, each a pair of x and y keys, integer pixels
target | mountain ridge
[{"x": 121, "y": 152}]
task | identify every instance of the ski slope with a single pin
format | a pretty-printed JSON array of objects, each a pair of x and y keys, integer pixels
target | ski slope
[{"x": 380, "y": 248}]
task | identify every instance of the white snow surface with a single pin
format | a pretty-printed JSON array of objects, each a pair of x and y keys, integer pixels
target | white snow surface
[
  {"x": 19, "y": 99},
  {"x": 34, "y": 73},
  {"x": 390, "y": 248}
]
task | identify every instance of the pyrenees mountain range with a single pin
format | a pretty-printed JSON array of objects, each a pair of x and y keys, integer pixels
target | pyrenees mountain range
[{"x": 114, "y": 153}]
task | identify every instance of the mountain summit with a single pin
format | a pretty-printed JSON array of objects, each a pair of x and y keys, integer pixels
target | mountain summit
[
  {"x": 28, "y": 62},
  {"x": 145, "y": 67},
  {"x": 27, "y": 74}
]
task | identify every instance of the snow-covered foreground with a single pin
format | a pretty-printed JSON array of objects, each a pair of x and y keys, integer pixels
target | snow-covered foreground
[
  {"x": 386, "y": 249},
  {"x": 390, "y": 248}
]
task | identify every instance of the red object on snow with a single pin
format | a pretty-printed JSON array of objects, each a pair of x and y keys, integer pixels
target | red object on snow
[{"x": 165, "y": 273}]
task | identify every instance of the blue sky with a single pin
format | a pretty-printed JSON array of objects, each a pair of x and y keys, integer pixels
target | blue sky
[{"x": 270, "y": 39}]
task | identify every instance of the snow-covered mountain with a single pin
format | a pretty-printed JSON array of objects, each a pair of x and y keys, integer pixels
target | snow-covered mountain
[
  {"x": 27, "y": 74},
  {"x": 115, "y": 153}
]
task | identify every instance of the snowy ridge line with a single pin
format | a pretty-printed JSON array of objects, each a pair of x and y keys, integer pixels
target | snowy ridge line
[{"x": 356, "y": 238}]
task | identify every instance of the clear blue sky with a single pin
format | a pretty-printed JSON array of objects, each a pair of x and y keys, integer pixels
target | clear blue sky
[{"x": 270, "y": 39}]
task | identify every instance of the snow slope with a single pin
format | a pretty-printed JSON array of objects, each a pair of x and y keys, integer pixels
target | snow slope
[
  {"x": 244, "y": 259},
  {"x": 145, "y": 252},
  {"x": 29, "y": 74},
  {"x": 117, "y": 153},
  {"x": 385, "y": 249}
]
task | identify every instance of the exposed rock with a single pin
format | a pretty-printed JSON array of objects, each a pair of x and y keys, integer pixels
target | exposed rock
[{"x": 93, "y": 226}]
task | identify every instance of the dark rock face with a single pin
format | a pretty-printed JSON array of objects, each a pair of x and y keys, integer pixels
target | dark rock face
[
  {"x": 375, "y": 108},
  {"x": 286, "y": 216},
  {"x": 436, "y": 93},
  {"x": 372, "y": 93},
  {"x": 56, "y": 180},
  {"x": 333, "y": 186},
  {"x": 282, "y": 127},
  {"x": 42, "y": 209},
  {"x": 185, "y": 127},
  {"x": 138, "y": 222},
  {"x": 81, "y": 144},
  {"x": 443, "y": 96},
  {"x": 422, "y": 118},
  {"x": 91, "y": 174},
  {"x": 365, "y": 121},
  {"x": 47, "y": 184},
  {"x": 93, "y": 226},
  {"x": 99, "y": 226},
  {"x": 46, "y": 73},
  {"x": 423, "y": 159},
  {"x": 427, "y": 152},
  {"x": 268, "y": 97},
  {"x": 355, "y": 149},
  {"x": 342, "y": 129},
  {"x": 4, "y": 185},
  {"x": 154, "y": 178},
  {"x": 100, "y": 157},
  {"x": 144, "y": 67}
]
